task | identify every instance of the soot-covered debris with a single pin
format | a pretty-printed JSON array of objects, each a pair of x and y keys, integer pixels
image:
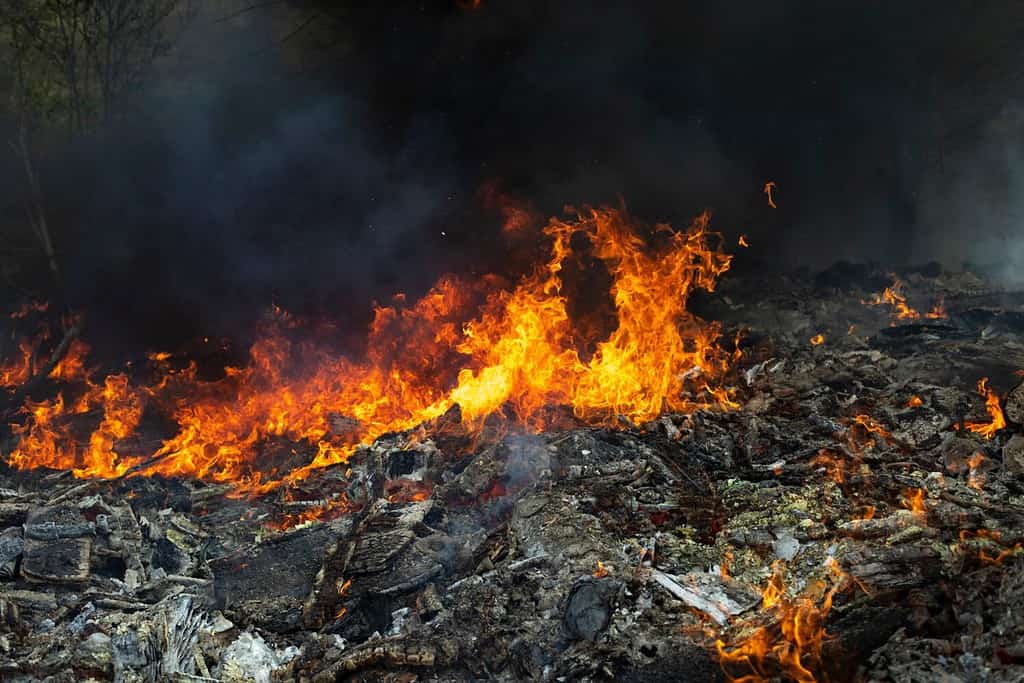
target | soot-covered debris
[{"x": 859, "y": 517}]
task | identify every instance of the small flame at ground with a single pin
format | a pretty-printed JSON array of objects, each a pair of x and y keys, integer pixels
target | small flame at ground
[
  {"x": 894, "y": 297},
  {"x": 792, "y": 650},
  {"x": 818, "y": 339},
  {"x": 995, "y": 412},
  {"x": 913, "y": 500}
]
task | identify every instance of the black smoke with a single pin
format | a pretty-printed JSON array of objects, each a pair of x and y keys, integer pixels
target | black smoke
[{"x": 323, "y": 154}]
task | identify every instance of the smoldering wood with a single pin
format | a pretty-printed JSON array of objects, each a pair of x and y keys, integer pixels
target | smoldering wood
[{"x": 496, "y": 575}]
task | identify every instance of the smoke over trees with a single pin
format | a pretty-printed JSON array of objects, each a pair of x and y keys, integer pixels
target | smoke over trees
[{"x": 183, "y": 164}]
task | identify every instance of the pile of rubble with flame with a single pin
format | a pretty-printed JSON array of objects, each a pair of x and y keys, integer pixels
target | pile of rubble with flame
[{"x": 857, "y": 513}]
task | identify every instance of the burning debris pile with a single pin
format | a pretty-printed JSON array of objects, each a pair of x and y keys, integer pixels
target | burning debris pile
[{"x": 821, "y": 485}]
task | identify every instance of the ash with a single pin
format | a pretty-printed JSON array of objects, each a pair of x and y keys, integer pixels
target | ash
[{"x": 865, "y": 484}]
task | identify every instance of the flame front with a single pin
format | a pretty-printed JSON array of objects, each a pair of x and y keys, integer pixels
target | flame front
[{"x": 519, "y": 356}]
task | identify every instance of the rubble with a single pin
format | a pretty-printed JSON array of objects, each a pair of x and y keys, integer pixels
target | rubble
[{"x": 846, "y": 481}]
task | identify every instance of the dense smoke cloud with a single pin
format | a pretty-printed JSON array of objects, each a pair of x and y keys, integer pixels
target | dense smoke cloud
[{"x": 343, "y": 164}]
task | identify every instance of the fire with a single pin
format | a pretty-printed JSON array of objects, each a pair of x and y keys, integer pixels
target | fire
[
  {"x": 743, "y": 241},
  {"x": 791, "y": 650},
  {"x": 325, "y": 511},
  {"x": 913, "y": 500},
  {"x": 405, "y": 490},
  {"x": 46, "y": 441},
  {"x": 343, "y": 589},
  {"x": 776, "y": 588},
  {"x": 725, "y": 566},
  {"x": 818, "y": 339},
  {"x": 600, "y": 571},
  {"x": 986, "y": 537},
  {"x": 18, "y": 370},
  {"x": 995, "y": 412},
  {"x": 71, "y": 368},
  {"x": 867, "y": 513},
  {"x": 894, "y": 297},
  {"x": 914, "y": 402},
  {"x": 834, "y": 465},
  {"x": 517, "y": 356},
  {"x": 768, "y": 188},
  {"x": 864, "y": 432},
  {"x": 938, "y": 311},
  {"x": 975, "y": 476}
]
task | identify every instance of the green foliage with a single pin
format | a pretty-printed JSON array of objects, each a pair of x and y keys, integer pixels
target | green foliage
[{"x": 72, "y": 60}]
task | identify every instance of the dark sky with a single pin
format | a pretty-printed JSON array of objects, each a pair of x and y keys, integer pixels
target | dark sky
[{"x": 343, "y": 163}]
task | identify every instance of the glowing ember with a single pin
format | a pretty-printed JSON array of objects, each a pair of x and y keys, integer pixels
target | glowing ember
[
  {"x": 519, "y": 356},
  {"x": 865, "y": 432},
  {"x": 833, "y": 463},
  {"x": 914, "y": 402},
  {"x": 938, "y": 311},
  {"x": 743, "y": 241},
  {"x": 981, "y": 538},
  {"x": 324, "y": 511},
  {"x": 600, "y": 571},
  {"x": 995, "y": 412},
  {"x": 769, "y": 187},
  {"x": 818, "y": 339}
]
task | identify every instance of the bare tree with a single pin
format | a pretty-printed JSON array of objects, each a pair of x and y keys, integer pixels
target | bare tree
[{"x": 72, "y": 62}]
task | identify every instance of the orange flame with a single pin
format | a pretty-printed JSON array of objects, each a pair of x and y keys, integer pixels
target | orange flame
[
  {"x": 995, "y": 412},
  {"x": 18, "y": 370},
  {"x": 982, "y": 537},
  {"x": 867, "y": 513},
  {"x": 325, "y": 511},
  {"x": 913, "y": 500},
  {"x": 894, "y": 297},
  {"x": 768, "y": 188},
  {"x": 914, "y": 402},
  {"x": 600, "y": 571},
  {"x": 743, "y": 241},
  {"x": 792, "y": 650},
  {"x": 818, "y": 339},
  {"x": 518, "y": 357}
]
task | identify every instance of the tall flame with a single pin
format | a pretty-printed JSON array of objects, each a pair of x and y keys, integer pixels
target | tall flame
[{"x": 518, "y": 357}]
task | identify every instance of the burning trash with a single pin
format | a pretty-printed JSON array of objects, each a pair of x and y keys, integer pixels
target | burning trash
[{"x": 501, "y": 466}]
